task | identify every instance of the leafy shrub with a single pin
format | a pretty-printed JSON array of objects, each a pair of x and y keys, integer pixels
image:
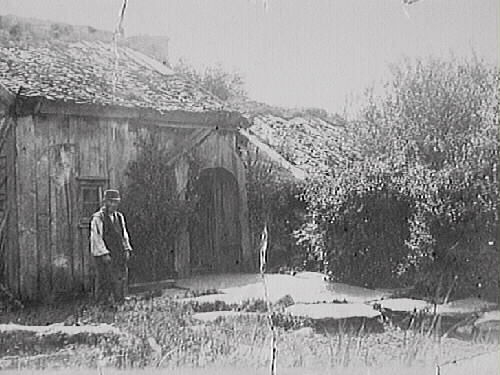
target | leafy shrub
[
  {"x": 368, "y": 240},
  {"x": 275, "y": 202},
  {"x": 422, "y": 195},
  {"x": 155, "y": 210}
]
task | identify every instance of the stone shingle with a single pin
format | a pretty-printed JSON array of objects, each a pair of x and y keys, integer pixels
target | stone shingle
[
  {"x": 84, "y": 72},
  {"x": 308, "y": 142}
]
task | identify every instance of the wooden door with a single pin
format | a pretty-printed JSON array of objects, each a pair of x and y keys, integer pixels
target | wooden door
[{"x": 215, "y": 234}]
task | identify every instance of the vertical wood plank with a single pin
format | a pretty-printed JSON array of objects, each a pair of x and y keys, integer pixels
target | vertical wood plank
[
  {"x": 26, "y": 199},
  {"x": 43, "y": 207},
  {"x": 102, "y": 146},
  {"x": 120, "y": 149},
  {"x": 247, "y": 256},
  {"x": 77, "y": 233},
  {"x": 62, "y": 161},
  {"x": 181, "y": 255},
  {"x": 12, "y": 251},
  {"x": 98, "y": 163},
  {"x": 81, "y": 133},
  {"x": 88, "y": 271},
  {"x": 53, "y": 144},
  {"x": 4, "y": 120},
  {"x": 219, "y": 151},
  {"x": 112, "y": 152}
]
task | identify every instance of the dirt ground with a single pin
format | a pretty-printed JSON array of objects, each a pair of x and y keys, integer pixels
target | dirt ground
[
  {"x": 483, "y": 365},
  {"x": 170, "y": 320}
]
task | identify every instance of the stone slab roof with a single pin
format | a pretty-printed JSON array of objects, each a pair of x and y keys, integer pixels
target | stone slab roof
[
  {"x": 97, "y": 73},
  {"x": 307, "y": 141}
]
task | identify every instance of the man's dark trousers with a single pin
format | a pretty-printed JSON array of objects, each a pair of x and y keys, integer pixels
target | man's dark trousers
[
  {"x": 112, "y": 279},
  {"x": 112, "y": 276}
]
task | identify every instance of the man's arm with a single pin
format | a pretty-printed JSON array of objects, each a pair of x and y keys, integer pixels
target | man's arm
[
  {"x": 97, "y": 246},
  {"x": 126, "y": 238}
]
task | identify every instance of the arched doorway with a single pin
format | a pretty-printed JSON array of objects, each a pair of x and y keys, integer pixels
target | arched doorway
[{"x": 215, "y": 232}]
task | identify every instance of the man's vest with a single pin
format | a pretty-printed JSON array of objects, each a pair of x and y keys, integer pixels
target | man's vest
[{"x": 113, "y": 238}]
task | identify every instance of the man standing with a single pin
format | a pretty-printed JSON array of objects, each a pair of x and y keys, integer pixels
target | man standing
[{"x": 110, "y": 246}]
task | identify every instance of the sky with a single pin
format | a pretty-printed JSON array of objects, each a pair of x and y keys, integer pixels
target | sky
[{"x": 295, "y": 53}]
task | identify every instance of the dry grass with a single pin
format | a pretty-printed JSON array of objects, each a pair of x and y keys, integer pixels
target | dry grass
[
  {"x": 487, "y": 365},
  {"x": 160, "y": 332}
]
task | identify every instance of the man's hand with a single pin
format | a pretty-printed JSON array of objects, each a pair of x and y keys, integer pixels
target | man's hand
[{"x": 106, "y": 258}]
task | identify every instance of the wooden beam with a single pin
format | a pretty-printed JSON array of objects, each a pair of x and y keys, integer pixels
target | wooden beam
[
  {"x": 42, "y": 168},
  {"x": 197, "y": 138},
  {"x": 12, "y": 250},
  {"x": 6, "y": 124},
  {"x": 92, "y": 178},
  {"x": 228, "y": 120},
  {"x": 6, "y": 97},
  {"x": 26, "y": 206},
  {"x": 3, "y": 224}
]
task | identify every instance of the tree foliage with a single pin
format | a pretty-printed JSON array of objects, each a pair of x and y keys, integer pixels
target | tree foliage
[
  {"x": 216, "y": 80},
  {"x": 430, "y": 143},
  {"x": 275, "y": 202},
  {"x": 155, "y": 210}
]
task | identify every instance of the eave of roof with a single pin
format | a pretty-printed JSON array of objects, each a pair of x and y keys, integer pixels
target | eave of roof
[
  {"x": 306, "y": 143},
  {"x": 220, "y": 119},
  {"x": 74, "y": 82}
]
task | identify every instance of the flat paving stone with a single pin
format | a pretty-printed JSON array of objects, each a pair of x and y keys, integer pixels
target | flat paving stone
[
  {"x": 465, "y": 306},
  {"x": 333, "y": 311},
  {"x": 305, "y": 287},
  {"x": 99, "y": 329},
  {"x": 488, "y": 321},
  {"x": 403, "y": 304}
]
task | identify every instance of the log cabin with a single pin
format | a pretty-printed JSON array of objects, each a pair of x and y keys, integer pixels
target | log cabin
[{"x": 70, "y": 116}]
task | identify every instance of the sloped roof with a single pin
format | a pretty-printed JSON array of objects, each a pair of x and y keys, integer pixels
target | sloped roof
[
  {"x": 84, "y": 72},
  {"x": 274, "y": 155},
  {"x": 307, "y": 141}
]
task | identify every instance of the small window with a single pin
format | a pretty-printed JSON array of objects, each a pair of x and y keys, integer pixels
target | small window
[
  {"x": 91, "y": 200},
  {"x": 90, "y": 197}
]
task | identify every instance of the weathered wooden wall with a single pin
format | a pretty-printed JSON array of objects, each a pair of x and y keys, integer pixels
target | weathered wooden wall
[
  {"x": 218, "y": 150},
  {"x": 9, "y": 235},
  {"x": 223, "y": 149},
  {"x": 53, "y": 152}
]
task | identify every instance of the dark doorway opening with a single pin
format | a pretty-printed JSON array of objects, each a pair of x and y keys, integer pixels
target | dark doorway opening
[{"x": 215, "y": 232}]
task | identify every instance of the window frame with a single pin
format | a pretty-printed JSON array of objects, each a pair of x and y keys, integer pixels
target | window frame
[{"x": 89, "y": 183}]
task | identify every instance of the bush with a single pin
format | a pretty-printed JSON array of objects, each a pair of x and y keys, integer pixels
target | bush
[
  {"x": 154, "y": 209},
  {"x": 368, "y": 241},
  {"x": 275, "y": 202},
  {"x": 419, "y": 202}
]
